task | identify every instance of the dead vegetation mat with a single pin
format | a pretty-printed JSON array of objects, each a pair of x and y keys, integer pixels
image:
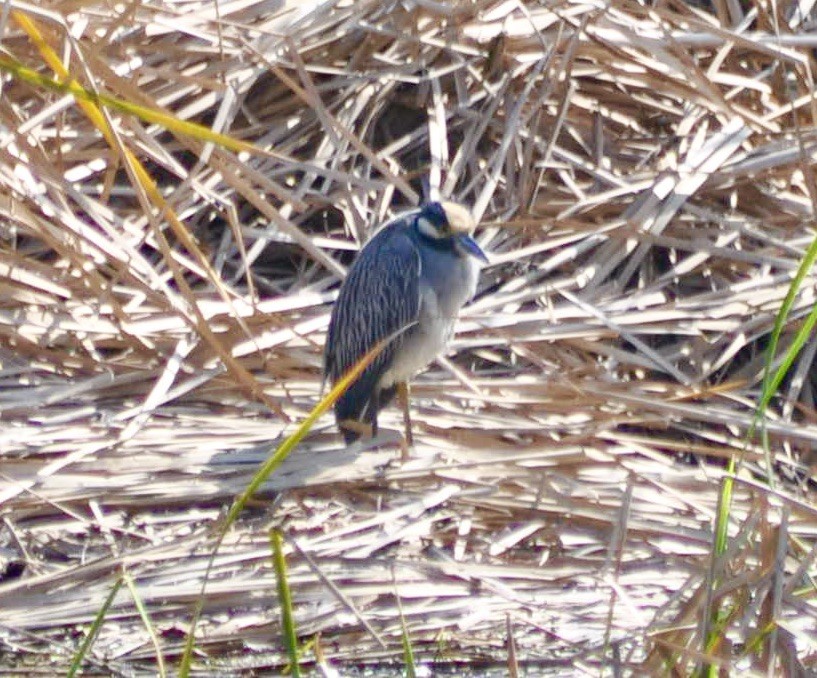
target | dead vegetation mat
[{"x": 643, "y": 175}]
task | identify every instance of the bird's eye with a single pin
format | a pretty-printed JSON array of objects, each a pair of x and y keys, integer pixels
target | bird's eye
[{"x": 428, "y": 229}]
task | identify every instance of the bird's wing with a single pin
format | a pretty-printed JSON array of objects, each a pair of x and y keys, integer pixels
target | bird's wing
[{"x": 379, "y": 299}]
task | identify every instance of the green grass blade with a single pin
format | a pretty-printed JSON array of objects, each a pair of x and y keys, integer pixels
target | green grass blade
[
  {"x": 405, "y": 638},
  {"x": 86, "y": 645},
  {"x": 772, "y": 382},
  {"x": 151, "y": 629},
  {"x": 279, "y": 563}
]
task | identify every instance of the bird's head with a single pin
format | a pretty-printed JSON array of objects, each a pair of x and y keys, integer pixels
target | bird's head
[{"x": 450, "y": 221}]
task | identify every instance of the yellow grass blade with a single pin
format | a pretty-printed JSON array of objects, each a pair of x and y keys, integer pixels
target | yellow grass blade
[
  {"x": 166, "y": 120},
  {"x": 152, "y": 193},
  {"x": 267, "y": 468}
]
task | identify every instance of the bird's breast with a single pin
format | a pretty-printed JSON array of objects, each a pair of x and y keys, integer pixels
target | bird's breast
[{"x": 443, "y": 291}]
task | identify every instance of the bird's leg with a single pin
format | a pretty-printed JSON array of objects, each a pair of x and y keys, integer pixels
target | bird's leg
[{"x": 403, "y": 399}]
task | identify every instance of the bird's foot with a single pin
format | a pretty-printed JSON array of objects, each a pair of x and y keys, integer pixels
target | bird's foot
[{"x": 406, "y": 443}]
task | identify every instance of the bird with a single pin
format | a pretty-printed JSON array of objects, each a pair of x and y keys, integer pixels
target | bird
[{"x": 406, "y": 286}]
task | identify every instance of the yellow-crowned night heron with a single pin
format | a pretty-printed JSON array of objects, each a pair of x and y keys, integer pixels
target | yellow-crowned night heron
[{"x": 409, "y": 283}]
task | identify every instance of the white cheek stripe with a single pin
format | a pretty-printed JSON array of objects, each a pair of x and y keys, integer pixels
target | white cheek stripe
[{"x": 427, "y": 228}]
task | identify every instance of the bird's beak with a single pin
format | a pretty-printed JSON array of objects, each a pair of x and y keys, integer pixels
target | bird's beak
[{"x": 469, "y": 246}]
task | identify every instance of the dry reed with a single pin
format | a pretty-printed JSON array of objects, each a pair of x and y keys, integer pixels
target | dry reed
[{"x": 644, "y": 179}]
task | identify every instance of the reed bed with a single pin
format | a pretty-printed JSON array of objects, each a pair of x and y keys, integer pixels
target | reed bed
[{"x": 643, "y": 177}]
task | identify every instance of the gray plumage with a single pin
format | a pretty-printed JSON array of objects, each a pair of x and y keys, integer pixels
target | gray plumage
[{"x": 409, "y": 282}]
